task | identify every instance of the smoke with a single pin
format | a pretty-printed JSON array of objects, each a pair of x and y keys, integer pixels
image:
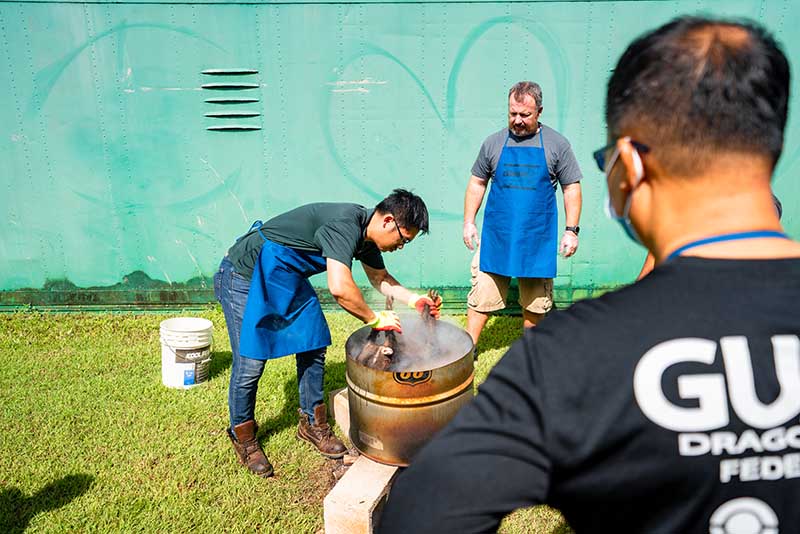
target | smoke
[{"x": 422, "y": 346}]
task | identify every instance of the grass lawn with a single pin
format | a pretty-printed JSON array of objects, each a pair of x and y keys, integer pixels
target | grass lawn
[{"x": 91, "y": 441}]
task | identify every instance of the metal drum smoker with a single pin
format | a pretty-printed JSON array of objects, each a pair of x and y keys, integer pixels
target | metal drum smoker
[{"x": 403, "y": 388}]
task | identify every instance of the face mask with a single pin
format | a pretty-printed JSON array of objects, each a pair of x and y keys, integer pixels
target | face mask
[{"x": 624, "y": 219}]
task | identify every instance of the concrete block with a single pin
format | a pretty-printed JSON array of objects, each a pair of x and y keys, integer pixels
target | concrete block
[
  {"x": 340, "y": 409},
  {"x": 354, "y": 505}
]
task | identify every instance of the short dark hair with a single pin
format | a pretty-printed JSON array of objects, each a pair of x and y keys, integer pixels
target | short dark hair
[
  {"x": 407, "y": 208},
  {"x": 521, "y": 89},
  {"x": 698, "y": 85}
]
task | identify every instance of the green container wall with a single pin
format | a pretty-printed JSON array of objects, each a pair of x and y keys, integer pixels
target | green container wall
[{"x": 116, "y": 192}]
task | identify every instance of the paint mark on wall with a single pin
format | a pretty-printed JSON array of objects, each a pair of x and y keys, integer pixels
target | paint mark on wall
[
  {"x": 355, "y": 90},
  {"x": 153, "y": 259},
  {"x": 194, "y": 260},
  {"x": 365, "y": 81},
  {"x": 230, "y": 191},
  {"x": 342, "y": 85}
]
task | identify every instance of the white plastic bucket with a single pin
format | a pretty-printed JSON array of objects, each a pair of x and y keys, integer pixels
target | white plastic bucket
[{"x": 185, "y": 351}]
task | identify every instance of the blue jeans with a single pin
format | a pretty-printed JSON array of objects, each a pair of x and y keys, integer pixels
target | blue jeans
[{"x": 231, "y": 289}]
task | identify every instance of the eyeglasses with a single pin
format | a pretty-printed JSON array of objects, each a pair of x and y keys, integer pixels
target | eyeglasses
[
  {"x": 600, "y": 155},
  {"x": 403, "y": 238}
]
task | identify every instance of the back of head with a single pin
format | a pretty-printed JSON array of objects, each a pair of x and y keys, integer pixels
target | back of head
[
  {"x": 697, "y": 88},
  {"x": 407, "y": 208}
]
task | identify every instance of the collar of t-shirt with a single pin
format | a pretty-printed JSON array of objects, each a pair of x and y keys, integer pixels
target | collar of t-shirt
[{"x": 370, "y": 213}]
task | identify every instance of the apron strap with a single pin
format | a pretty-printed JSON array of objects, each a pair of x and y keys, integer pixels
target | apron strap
[
  {"x": 257, "y": 226},
  {"x": 253, "y": 227}
]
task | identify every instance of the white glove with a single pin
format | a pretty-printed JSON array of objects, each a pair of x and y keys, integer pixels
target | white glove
[
  {"x": 470, "y": 234},
  {"x": 569, "y": 244}
]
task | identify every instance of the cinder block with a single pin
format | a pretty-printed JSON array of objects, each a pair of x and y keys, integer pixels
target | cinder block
[
  {"x": 340, "y": 409},
  {"x": 354, "y": 505}
]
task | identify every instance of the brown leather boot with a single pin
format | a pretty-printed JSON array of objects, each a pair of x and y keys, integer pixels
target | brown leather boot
[
  {"x": 248, "y": 451},
  {"x": 320, "y": 434}
]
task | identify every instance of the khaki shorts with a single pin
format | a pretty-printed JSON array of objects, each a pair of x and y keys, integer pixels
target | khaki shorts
[{"x": 489, "y": 291}]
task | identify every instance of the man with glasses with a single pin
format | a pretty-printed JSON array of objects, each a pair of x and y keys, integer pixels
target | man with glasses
[
  {"x": 672, "y": 404},
  {"x": 525, "y": 162},
  {"x": 272, "y": 310}
]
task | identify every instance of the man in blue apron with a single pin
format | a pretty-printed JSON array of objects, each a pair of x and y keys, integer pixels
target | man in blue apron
[
  {"x": 525, "y": 162},
  {"x": 272, "y": 310},
  {"x": 672, "y": 404}
]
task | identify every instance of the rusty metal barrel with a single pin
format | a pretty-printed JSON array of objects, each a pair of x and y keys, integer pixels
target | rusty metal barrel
[{"x": 394, "y": 411}]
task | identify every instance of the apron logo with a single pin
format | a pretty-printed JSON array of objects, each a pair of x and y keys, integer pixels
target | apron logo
[{"x": 412, "y": 378}]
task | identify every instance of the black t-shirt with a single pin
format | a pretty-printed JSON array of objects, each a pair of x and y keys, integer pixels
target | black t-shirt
[
  {"x": 669, "y": 406},
  {"x": 334, "y": 230}
]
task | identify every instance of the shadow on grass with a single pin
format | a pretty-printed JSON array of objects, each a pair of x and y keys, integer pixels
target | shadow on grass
[
  {"x": 334, "y": 379},
  {"x": 17, "y": 510},
  {"x": 220, "y": 363},
  {"x": 500, "y": 332}
]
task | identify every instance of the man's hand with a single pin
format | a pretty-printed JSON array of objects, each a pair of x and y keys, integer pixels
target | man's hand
[
  {"x": 386, "y": 320},
  {"x": 420, "y": 301},
  {"x": 569, "y": 244},
  {"x": 470, "y": 234}
]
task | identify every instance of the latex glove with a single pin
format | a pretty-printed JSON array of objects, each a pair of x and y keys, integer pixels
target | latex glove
[
  {"x": 569, "y": 244},
  {"x": 470, "y": 235},
  {"x": 386, "y": 320},
  {"x": 420, "y": 301}
]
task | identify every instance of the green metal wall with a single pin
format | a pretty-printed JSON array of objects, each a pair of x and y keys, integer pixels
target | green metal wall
[{"x": 116, "y": 191}]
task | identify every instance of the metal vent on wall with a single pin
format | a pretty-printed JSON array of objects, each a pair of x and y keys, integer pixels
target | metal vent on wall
[{"x": 235, "y": 94}]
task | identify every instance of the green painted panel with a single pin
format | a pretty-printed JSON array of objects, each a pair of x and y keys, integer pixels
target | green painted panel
[{"x": 111, "y": 168}]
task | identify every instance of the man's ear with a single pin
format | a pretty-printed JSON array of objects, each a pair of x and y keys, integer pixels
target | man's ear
[{"x": 630, "y": 159}]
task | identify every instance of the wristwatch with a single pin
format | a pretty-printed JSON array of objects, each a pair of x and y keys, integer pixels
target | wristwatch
[{"x": 574, "y": 229}]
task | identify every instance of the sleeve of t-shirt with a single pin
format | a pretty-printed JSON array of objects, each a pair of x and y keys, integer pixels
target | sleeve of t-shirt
[
  {"x": 372, "y": 257},
  {"x": 482, "y": 168},
  {"x": 567, "y": 170},
  {"x": 337, "y": 240},
  {"x": 491, "y": 459}
]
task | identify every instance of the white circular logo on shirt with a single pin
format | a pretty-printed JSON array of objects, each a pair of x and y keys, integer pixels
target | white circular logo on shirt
[{"x": 744, "y": 515}]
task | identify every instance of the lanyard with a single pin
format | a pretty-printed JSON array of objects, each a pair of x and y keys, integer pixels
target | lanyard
[{"x": 727, "y": 237}]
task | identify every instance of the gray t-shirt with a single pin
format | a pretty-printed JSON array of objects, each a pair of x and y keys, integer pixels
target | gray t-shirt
[{"x": 561, "y": 161}]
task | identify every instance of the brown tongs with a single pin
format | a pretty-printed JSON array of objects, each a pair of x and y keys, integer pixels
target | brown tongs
[
  {"x": 375, "y": 354},
  {"x": 427, "y": 318},
  {"x": 429, "y": 321}
]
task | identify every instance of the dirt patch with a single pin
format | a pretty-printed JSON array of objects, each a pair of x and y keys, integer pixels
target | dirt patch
[
  {"x": 322, "y": 479},
  {"x": 320, "y": 482}
]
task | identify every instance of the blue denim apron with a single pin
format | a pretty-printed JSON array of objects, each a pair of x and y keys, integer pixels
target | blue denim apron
[
  {"x": 520, "y": 224},
  {"x": 283, "y": 315}
]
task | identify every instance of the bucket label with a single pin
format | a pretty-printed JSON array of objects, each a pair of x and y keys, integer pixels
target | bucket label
[
  {"x": 192, "y": 355},
  {"x": 201, "y": 358},
  {"x": 412, "y": 378}
]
